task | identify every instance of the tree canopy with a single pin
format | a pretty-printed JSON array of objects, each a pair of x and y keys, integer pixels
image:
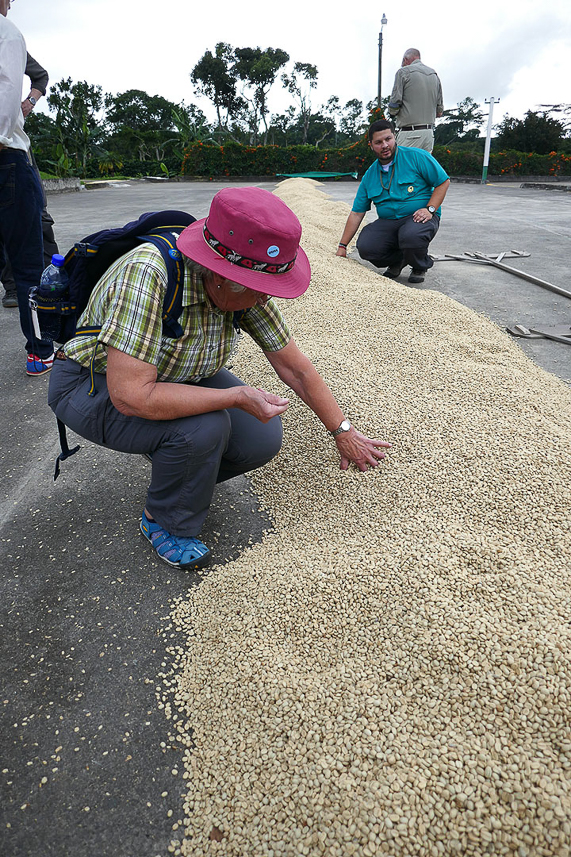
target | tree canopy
[
  {"x": 139, "y": 111},
  {"x": 108, "y": 129},
  {"x": 537, "y": 132}
]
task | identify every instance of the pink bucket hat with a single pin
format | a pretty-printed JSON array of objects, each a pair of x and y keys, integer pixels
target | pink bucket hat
[{"x": 251, "y": 237}]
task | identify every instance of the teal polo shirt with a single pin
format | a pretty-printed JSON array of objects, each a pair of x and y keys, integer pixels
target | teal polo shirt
[{"x": 416, "y": 174}]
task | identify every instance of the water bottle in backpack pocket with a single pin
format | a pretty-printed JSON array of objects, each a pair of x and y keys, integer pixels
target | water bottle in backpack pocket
[{"x": 49, "y": 302}]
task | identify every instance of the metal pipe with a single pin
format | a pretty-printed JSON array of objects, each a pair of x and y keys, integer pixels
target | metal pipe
[{"x": 531, "y": 279}]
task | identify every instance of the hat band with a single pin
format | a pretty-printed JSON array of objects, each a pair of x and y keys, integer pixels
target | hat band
[{"x": 243, "y": 261}]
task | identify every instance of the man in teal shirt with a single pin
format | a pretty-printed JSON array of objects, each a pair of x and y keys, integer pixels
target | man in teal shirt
[{"x": 407, "y": 187}]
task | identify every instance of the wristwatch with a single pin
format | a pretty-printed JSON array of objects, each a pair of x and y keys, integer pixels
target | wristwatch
[
  {"x": 430, "y": 208},
  {"x": 32, "y": 100},
  {"x": 345, "y": 426}
]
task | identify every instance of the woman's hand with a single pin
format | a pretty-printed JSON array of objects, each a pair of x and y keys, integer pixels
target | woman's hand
[
  {"x": 363, "y": 451},
  {"x": 261, "y": 404}
]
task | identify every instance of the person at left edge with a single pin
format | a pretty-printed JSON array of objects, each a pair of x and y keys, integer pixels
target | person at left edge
[
  {"x": 21, "y": 198},
  {"x": 173, "y": 399},
  {"x": 38, "y": 84}
]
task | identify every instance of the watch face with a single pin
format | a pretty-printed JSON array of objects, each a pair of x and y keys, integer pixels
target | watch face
[
  {"x": 345, "y": 425},
  {"x": 32, "y": 100}
]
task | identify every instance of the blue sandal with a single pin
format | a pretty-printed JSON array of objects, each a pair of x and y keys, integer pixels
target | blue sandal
[{"x": 177, "y": 551}]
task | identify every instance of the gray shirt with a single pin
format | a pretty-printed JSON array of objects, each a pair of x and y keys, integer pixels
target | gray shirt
[{"x": 416, "y": 98}]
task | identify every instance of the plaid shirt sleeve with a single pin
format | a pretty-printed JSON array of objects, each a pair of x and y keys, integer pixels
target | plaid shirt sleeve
[{"x": 267, "y": 326}]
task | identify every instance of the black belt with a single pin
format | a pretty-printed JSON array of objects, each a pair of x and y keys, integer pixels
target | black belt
[{"x": 415, "y": 127}]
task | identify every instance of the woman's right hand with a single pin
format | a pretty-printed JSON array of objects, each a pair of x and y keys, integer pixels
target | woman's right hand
[{"x": 261, "y": 404}]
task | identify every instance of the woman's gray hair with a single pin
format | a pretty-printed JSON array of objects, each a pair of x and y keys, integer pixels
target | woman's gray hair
[
  {"x": 203, "y": 272},
  {"x": 200, "y": 270}
]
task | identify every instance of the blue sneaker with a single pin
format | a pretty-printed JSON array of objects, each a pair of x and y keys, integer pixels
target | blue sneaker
[
  {"x": 177, "y": 551},
  {"x": 39, "y": 366}
]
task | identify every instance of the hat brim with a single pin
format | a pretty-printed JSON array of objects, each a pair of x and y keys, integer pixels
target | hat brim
[{"x": 291, "y": 284}]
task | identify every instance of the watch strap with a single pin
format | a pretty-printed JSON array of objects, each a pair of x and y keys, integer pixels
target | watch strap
[{"x": 344, "y": 427}]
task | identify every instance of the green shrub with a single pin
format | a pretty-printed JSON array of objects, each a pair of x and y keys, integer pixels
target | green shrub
[{"x": 233, "y": 159}]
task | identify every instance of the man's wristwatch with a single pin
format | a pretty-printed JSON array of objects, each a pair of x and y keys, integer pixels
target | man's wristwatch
[
  {"x": 345, "y": 426},
  {"x": 32, "y": 100},
  {"x": 430, "y": 208}
]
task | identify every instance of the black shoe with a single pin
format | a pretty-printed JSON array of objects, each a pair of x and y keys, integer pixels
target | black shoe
[
  {"x": 394, "y": 271},
  {"x": 10, "y": 299},
  {"x": 416, "y": 276}
]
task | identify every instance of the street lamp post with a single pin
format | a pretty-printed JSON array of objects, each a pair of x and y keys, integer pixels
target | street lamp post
[{"x": 383, "y": 22}]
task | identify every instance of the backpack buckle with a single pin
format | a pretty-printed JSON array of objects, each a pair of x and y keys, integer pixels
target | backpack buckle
[{"x": 83, "y": 249}]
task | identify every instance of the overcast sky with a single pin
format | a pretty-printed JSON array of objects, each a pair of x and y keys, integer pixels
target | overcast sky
[{"x": 515, "y": 50}]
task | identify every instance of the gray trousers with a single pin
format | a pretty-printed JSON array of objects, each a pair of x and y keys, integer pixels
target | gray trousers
[
  {"x": 419, "y": 139},
  {"x": 390, "y": 242},
  {"x": 189, "y": 455}
]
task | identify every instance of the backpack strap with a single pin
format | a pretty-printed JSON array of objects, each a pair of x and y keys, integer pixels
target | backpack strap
[
  {"x": 65, "y": 450},
  {"x": 165, "y": 241}
]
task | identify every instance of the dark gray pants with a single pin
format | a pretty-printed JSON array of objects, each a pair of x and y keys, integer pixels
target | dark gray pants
[
  {"x": 189, "y": 455},
  {"x": 393, "y": 242}
]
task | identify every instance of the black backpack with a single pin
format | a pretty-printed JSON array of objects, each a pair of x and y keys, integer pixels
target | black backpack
[{"x": 90, "y": 258}]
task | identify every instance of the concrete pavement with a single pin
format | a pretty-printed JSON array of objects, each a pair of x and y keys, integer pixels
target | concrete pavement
[{"x": 88, "y": 758}]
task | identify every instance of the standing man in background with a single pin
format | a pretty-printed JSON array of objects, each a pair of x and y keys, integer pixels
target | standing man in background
[
  {"x": 21, "y": 198},
  {"x": 416, "y": 102}
]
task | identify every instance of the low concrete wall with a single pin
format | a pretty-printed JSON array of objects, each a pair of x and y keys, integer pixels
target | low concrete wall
[{"x": 61, "y": 185}]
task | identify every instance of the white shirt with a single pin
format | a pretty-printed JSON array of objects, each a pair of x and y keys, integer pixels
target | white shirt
[{"x": 12, "y": 67}]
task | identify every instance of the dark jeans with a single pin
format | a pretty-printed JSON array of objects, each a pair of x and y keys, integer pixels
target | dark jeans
[
  {"x": 21, "y": 203},
  {"x": 50, "y": 245},
  {"x": 189, "y": 455},
  {"x": 394, "y": 242}
]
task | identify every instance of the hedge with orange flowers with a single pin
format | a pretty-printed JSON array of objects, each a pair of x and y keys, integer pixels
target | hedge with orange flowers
[{"x": 233, "y": 159}]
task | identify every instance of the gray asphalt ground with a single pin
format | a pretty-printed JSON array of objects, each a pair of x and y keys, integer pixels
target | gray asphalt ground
[{"x": 87, "y": 755}]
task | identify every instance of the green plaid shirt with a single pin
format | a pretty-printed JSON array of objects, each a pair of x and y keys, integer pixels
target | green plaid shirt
[{"x": 127, "y": 304}]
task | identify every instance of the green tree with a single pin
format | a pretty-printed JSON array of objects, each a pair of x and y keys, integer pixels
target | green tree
[
  {"x": 535, "y": 133},
  {"x": 257, "y": 69},
  {"x": 139, "y": 111},
  {"x": 214, "y": 77},
  {"x": 43, "y": 135},
  {"x": 79, "y": 129},
  {"x": 299, "y": 83},
  {"x": 378, "y": 111},
  {"x": 352, "y": 123},
  {"x": 191, "y": 125},
  {"x": 461, "y": 123},
  {"x": 325, "y": 122},
  {"x": 282, "y": 127}
]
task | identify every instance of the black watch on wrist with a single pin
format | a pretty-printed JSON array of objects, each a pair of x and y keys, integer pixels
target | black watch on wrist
[
  {"x": 430, "y": 208},
  {"x": 32, "y": 100}
]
